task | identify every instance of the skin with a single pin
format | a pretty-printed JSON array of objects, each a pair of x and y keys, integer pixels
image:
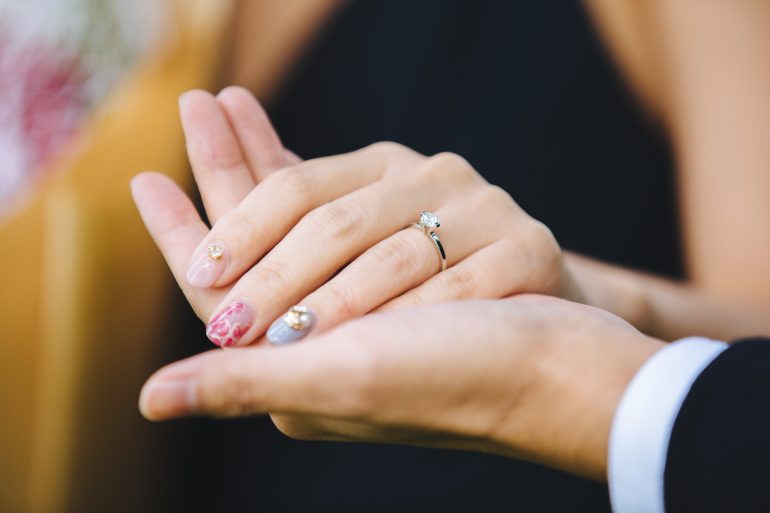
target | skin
[
  {"x": 702, "y": 72},
  {"x": 245, "y": 175},
  {"x": 343, "y": 211},
  {"x": 530, "y": 377}
]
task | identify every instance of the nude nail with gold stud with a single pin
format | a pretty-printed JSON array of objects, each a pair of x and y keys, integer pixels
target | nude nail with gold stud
[
  {"x": 294, "y": 325},
  {"x": 207, "y": 266}
]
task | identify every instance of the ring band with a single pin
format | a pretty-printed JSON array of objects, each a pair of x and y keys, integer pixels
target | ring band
[{"x": 427, "y": 224}]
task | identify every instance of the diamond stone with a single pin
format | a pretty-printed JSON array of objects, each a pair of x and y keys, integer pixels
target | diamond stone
[{"x": 429, "y": 219}]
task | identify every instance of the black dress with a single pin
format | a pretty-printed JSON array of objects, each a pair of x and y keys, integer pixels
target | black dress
[{"x": 526, "y": 93}]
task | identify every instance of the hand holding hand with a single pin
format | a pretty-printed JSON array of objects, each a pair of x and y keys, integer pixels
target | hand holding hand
[
  {"x": 532, "y": 377},
  {"x": 330, "y": 233}
]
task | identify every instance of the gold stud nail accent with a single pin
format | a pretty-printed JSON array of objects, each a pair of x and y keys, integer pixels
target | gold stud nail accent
[
  {"x": 216, "y": 252},
  {"x": 297, "y": 317}
]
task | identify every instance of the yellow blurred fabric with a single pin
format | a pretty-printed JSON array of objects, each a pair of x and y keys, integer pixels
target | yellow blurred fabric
[{"x": 83, "y": 292}]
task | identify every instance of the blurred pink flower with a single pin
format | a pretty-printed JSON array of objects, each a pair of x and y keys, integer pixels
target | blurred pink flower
[
  {"x": 41, "y": 107},
  {"x": 46, "y": 84}
]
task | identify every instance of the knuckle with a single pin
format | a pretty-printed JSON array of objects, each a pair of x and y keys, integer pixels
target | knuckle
[
  {"x": 497, "y": 198},
  {"x": 448, "y": 165},
  {"x": 544, "y": 240},
  {"x": 342, "y": 300},
  {"x": 396, "y": 256},
  {"x": 460, "y": 283},
  {"x": 536, "y": 250},
  {"x": 387, "y": 148},
  {"x": 337, "y": 220},
  {"x": 226, "y": 160},
  {"x": 411, "y": 299},
  {"x": 396, "y": 158},
  {"x": 291, "y": 182},
  {"x": 271, "y": 275},
  {"x": 237, "y": 223},
  {"x": 225, "y": 390}
]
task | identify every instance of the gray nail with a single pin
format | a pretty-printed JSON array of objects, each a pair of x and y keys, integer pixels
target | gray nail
[{"x": 292, "y": 326}]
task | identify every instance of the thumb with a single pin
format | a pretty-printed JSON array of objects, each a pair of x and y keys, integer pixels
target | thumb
[{"x": 316, "y": 378}]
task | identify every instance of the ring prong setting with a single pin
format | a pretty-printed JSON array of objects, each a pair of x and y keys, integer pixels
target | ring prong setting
[
  {"x": 429, "y": 220},
  {"x": 427, "y": 224}
]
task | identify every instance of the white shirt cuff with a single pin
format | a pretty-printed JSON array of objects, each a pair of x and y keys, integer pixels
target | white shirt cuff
[{"x": 643, "y": 422}]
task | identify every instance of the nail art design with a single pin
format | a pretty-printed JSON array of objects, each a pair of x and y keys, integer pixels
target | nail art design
[
  {"x": 229, "y": 325},
  {"x": 293, "y": 326},
  {"x": 207, "y": 267}
]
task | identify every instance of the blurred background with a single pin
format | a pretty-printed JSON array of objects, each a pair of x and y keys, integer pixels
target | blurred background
[
  {"x": 88, "y": 94},
  {"x": 531, "y": 94}
]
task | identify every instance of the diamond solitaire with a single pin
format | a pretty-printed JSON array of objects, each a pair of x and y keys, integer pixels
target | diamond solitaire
[
  {"x": 429, "y": 220},
  {"x": 427, "y": 224}
]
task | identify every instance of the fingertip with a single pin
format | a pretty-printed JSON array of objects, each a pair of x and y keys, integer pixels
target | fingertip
[
  {"x": 139, "y": 184},
  {"x": 192, "y": 95},
  {"x": 196, "y": 108},
  {"x": 207, "y": 265},
  {"x": 234, "y": 89},
  {"x": 145, "y": 407},
  {"x": 231, "y": 324},
  {"x": 260, "y": 142},
  {"x": 137, "y": 180},
  {"x": 161, "y": 400},
  {"x": 236, "y": 92},
  {"x": 238, "y": 100},
  {"x": 293, "y": 326},
  {"x": 150, "y": 175},
  {"x": 150, "y": 182},
  {"x": 171, "y": 391}
]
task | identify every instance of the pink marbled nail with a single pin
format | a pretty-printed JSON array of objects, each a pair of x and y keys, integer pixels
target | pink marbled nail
[
  {"x": 207, "y": 266},
  {"x": 230, "y": 324}
]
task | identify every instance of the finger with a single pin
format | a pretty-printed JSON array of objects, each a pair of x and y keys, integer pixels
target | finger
[
  {"x": 220, "y": 170},
  {"x": 258, "y": 140},
  {"x": 200, "y": 385},
  {"x": 387, "y": 270},
  {"x": 176, "y": 228},
  {"x": 247, "y": 232},
  {"x": 310, "y": 253},
  {"x": 490, "y": 273},
  {"x": 291, "y": 158},
  {"x": 368, "y": 369}
]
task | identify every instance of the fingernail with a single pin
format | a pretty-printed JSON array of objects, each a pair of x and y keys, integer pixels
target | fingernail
[
  {"x": 167, "y": 399},
  {"x": 207, "y": 266},
  {"x": 294, "y": 325},
  {"x": 228, "y": 326}
]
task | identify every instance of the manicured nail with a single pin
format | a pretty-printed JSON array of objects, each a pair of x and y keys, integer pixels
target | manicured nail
[
  {"x": 228, "y": 326},
  {"x": 167, "y": 399},
  {"x": 294, "y": 325},
  {"x": 208, "y": 265}
]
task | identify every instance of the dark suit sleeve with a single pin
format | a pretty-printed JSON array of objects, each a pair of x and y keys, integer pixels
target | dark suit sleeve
[{"x": 718, "y": 456}]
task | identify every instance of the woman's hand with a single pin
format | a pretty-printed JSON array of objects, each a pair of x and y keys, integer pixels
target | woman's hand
[
  {"x": 329, "y": 233},
  {"x": 531, "y": 377}
]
